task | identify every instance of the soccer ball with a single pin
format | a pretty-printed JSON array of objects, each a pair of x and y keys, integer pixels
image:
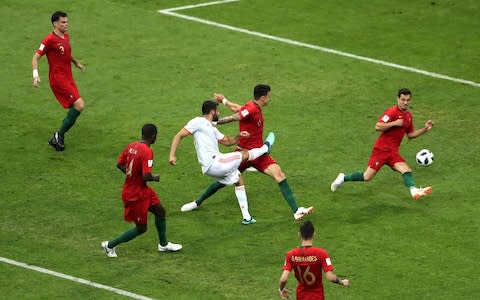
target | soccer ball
[{"x": 424, "y": 157}]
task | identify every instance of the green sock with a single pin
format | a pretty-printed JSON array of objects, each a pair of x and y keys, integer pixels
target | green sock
[
  {"x": 161, "y": 224},
  {"x": 212, "y": 189},
  {"x": 124, "y": 237},
  {"x": 408, "y": 179},
  {"x": 288, "y": 194},
  {"x": 69, "y": 120},
  {"x": 357, "y": 176}
]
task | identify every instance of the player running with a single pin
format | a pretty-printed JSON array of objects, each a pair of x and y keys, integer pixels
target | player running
[
  {"x": 59, "y": 53},
  {"x": 393, "y": 125}
]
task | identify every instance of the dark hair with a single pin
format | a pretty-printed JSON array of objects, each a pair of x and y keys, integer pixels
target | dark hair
[
  {"x": 57, "y": 15},
  {"x": 404, "y": 91},
  {"x": 260, "y": 90},
  {"x": 306, "y": 230},
  {"x": 149, "y": 130},
  {"x": 208, "y": 106}
]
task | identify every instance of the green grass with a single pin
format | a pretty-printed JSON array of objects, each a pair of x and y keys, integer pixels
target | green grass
[{"x": 143, "y": 66}]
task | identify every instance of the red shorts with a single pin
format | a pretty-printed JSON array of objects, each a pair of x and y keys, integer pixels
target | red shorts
[
  {"x": 260, "y": 163},
  {"x": 310, "y": 294},
  {"x": 66, "y": 92},
  {"x": 137, "y": 210},
  {"x": 380, "y": 158}
]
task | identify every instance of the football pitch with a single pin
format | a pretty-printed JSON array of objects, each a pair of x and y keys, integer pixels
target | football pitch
[{"x": 334, "y": 67}]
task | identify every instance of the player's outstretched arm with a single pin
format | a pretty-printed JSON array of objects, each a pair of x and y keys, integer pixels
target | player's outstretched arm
[
  {"x": 175, "y": 142},
  {"x": 228, "y": 119},
  {"x": 428, "y": 126},
  {"x": 335, "y": 279},
  {"x": 229, "y": 104},
  {"x": 36, "y": 78}
]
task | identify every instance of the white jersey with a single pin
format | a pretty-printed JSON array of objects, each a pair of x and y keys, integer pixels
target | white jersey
[{"x": 206, "y": 138}]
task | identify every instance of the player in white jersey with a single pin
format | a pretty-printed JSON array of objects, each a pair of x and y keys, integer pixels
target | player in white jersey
[{"x": 223, "y": 167}]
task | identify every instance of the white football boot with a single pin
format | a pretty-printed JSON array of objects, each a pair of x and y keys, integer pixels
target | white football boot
[
  {"x": 170, "y": 247},
  {"x": 109, "y": 251},
  {"x": 337, "y": 182},
  {"x": 302, "y": 212}
]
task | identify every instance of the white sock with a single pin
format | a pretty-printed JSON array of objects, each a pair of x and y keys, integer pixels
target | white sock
[
  {"x": 242, "y": 201},
  {"x": 257, "y": 152}
]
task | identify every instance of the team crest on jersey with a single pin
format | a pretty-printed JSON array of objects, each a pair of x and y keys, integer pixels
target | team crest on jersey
[
  {"x": 61, "y": 48},
  {"x": 259, "y": 123}
]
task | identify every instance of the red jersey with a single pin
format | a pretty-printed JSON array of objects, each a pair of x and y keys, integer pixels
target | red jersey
[
  {"x": 391, "y": 139},
  {"x": 251, "y": 120},
  {"x": 59, "y": 55},
  {"x": 138, "y": 160},
  {"x": 308, "y": 263}
]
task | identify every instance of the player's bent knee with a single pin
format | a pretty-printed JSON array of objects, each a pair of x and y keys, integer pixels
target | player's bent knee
[
  {"x": 368, "y": 177},
  {"x": 141, "y": 228},
  {"x": 280, "y": 177},
  {"x": 79, "y": 104}
]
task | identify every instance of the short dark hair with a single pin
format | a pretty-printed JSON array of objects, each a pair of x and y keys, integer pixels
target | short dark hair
[
  {"x": 260, "y": 90},
  {"x": 307, "y": 230},
  {"x": 57, "y": 15},
  {"x": 404, "y": 91},
  {"x": 149, "y": 130},
  {"x": 208, "y": 106}
]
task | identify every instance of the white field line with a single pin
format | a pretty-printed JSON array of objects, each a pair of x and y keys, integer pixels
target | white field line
[
  {"x": 170, "y": 12},
  {"x": 197, "y": 5},
  {"x": 74, "y": 279}
]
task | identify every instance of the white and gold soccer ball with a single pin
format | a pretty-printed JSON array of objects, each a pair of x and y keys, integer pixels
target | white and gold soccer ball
[{"x": 424, "y": 158}]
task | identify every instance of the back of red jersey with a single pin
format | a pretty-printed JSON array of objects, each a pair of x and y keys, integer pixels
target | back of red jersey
[
  {"x": 392, "y": 138},
  {"x": 308, "y": 263},
  {"x": 251, "y": 120},
  {"x": 138, "y": 160},
  {"x": 59, "y": 54}
]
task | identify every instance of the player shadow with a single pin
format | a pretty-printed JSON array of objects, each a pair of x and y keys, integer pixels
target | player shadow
[{"x": 372, "y": 211}]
